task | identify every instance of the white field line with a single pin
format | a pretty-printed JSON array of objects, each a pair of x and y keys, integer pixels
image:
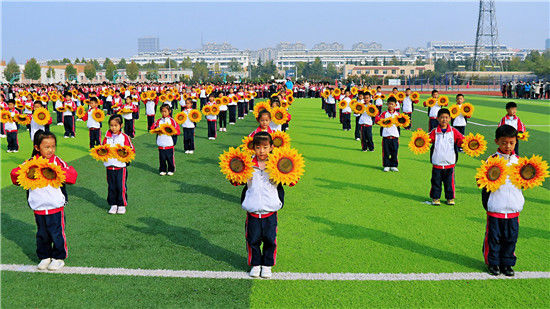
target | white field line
[
  {"x": 276, "y": 275},
  {"x": 487, "y": 125}
]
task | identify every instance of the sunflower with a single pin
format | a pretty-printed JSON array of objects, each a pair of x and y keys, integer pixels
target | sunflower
[
  {"x": 180, "y": 117},
  {"x": 284, "y": 104},
  {"x": 41, "y": 116},
  {"x": 52, "y": 175},
  {"x": 248, "y": 96},
  {"x": 168, "y": 129},
  {"x": 5, "y": 116},
  {"x": 225, "y": 100},
  {"x": 280, "y": 139},
  {"x": 27, "y": 176},
  {"x": 289, "y": 92},
  {"x": 336, "y": 92},
  {"x": 236, "y": 165},
  {"x": 342, "y": 104},
  {"x": 285, "y": 165},
  {"x": 124, "y": 154},
  {"x": 44, "y": 98},
  {"x": 492, "y": 173},
  {"x": 62, "y": 108},
  {"x": 372, "y": 110},
  {"x": 209, "y": 89},
  {"x": 143, "y": 96},
  {"x": 214, "y": 110},
  {"x": 326, "y": 93},
  {"x": 400, "y": 96},
  {"x": 373, "y": 92},
  {"x": 420, "y": 142},
  {"x": 467, "y": 109},
  {"x": 247, "y": 144},
  {"x": 155, "y": 131},
  {"x": 454, "y": 110},
  {"x": 98, "y": 115},
  {"x": 261, "y": 106},
  {"x": 80, "y": 111},
  {"x": 279, "y": 115},
  {"x": 22, "y": 119},
  {"x": 383, "y": 96},
  {"x": 414, "y": 96},
  {"x": 254, "y": 94},
  {"x": 523, "y": 136},
  {"x": 403, "y": 120},
  {"x": 19, "y": 105},
  {"x": 391, "y": 95},
  {"x": 474, "y": 145},
  {"x": 206, "y": 110},
  {"x": 386, "y": 122},
  {"x": 290, "y": 100},
  {"x": 194, "y": 115},
  {"x": 86, "y": 101},
  {"x": 358, "y": 108},
  {"x": 376, "y": 97},
  {"x": 430, "y": 102},
  {"x": 528, "y": 173},
  {"x": 354, "y": 90},
  {"x": 235, "y": 98},
  {"x": 54, "y": 97},
  {"x": 443, "y": 100},
  {"x": 101, "y": 152},
  {"x": 152, "y": 94}
]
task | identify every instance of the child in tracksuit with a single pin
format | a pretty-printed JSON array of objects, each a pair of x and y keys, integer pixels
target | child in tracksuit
[
  {"x": 232, "y": 108},
  {"x": 211, "y": 121},
  {"x": 432, "y": 111},
  {"x": 68, "y": 117},
  {"x": 94, "y": 127},
  {"x": 150, "y": 110},
  {"x": 34, "y": 127},
  {"x": 188, "y": 129},
  {"x": 11, "y": 129},
  {"x": 365, "y": 124},
  {"x": 346, "y": 112},
  {"x": 512, "y": 120},
  {"x": 408, "y": 106},
  {"x": 390, "y": 138},
  {"x": 129, "y": 127},
  {"x": 117, "y": 174},
  {"x": 503, "y": 207},
  {"x": 460, "y": 121},
  {"x": 48, "y": 204},
  {"x": 165, "y": 143},
  {"x": 445, "y": 142},
  {"x": 223, "y": 115},
  {"x": 264, "y": 119},
  {"x": 360, "y": 99}
]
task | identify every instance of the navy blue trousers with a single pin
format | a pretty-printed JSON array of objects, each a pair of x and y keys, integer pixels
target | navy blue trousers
[
  {"x": 166, "y": 160},
  {"x": 212, "y": 128},
  {"x": 188, "y": 138},
  {"x": 68, "y": 123},
  {"x": 445, "y": 177},
  {"x": 95, "y": 137},
  {"x": 117, "y": 190},
  {"x": 346, "y": 121},
  {"x": 261, "y": 231},
  {"x": 390, "y": 146},
  {"x": 232, "y": 113},
  {"x": 366, "y": 138},
  {"x": 501, "y": 237},
  {"x": 50, "y": 236}
]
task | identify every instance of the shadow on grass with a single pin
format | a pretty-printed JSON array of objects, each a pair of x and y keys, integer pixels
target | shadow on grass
[
  {"x": 317, "y": 127},
  {"x": 350, "y": 231},
  {"x": 351, "y": 137},
  {"x": 340, "y": 161},
  {"x": 326, "y": 145},
  {"x": 339, "y": 185},
  {"x": 21, "y": 233},
  {"x": 77, "y": 147},
  {"x": 145, "y": 167},
  {"x": 191, "y": 238},
  {"x": 88, "y": 195},
  {"x": 205, "y": 190},
  {"x": 203, "y": 160},
  {"x": 524, "y": 231}
]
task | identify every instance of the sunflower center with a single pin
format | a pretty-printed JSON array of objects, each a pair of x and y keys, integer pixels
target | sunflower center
[
  {"x": 474, "y": 145},
  {"x": 122, "y": 153},
  {"x": 236, "y": 165},
  {"x": 285, "y": 165},
  {"x": 493, "y": 173},
  {"x": 419, "y": 142},
  {"x": 278, "y": 115},
  {"x": 41, "y": 116},
  {"x": 102, "y": 152},
  {"x": 401, "y": 120},
  {"x": 466, "y": 109},
  {"x": 528, "y": 172},
  {"x": 31, "y": 172},
  {"x": 49, "y": 173},
  {"x": 277, "y": 142}
]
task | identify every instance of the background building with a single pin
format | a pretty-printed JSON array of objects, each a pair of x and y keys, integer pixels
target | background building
[{"x": 148, "y": 44}]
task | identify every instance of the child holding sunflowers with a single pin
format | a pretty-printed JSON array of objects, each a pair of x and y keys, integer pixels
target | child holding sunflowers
[
  {"x": 44, "y": 176},
  {"x": 165, "y": 142},
  {"x": 390, "y": 136},
  {"x": 93, "y": 119},
  {"x": 10, "y": 127},
  {"x": 40, "y": 119}
]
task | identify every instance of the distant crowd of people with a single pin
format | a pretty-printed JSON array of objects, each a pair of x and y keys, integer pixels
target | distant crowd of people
[{"x": 526, "y": 90}]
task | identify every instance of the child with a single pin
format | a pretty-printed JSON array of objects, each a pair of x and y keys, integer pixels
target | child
[
  {"x": 188, "y": 129},
  {"x": 129, "y": 128},
  {"x": 275, "y": 103},
  {"x": 390, "y": 138},
  {"x": 11, "y": 129},
  {"x": 503, "y": 207},
  {"x": 408, "y": 107},
  {"x": 330, "y": 105},
  {"x": 264, "y": 119},
  {"x": 232, "y": 108},
  {"x": 346, "y": 112},
  {"x": 379, "y": 102},
  {"x": 150, "y": 110},
  {"x": 68, "y": 118},
  {"x": 3, "y": 105},
  {"x": 432, "y": 111},
  {"x": 360, "y": 99},
  {"x": 261, "y": 199},
  {"x": 94, "y": 127},
  {"x": 35, "y": 126},
  {"x": 365, "y": 123},
  {"x": 394, "y": 91},
  {"x": 241, "y": 105},
  {"x": 512, "y": 120},
  {"x": 117, "y": 174},
  {"x": 48, "y": 205},
  {"x": 211, "y": 121},
  {"x": 460, "y": 121},
  {"x": 165, "y": 143},
  {"x": 445, "y": 142},
  {"x": 223, "y": 115}
]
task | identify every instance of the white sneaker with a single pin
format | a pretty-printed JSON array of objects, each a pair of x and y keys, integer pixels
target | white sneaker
[
  {"x": 221, "y": 130},
  {"x": 191, "y": 152},
  {"x": 65, "y": 137},
  {"x": 44, "y": 264},
  {"x": 56, "y": 264},
  {"x": 8, "y": 151},
  {"x": 15, "y": 150},
  {"x": 232, "y": 123},
  {"x": 162, "y": 173},
  {"x": 187, "y": 151},
  {"x": 170, "y": 173},
  {"x": 113, "y": 209},
  {"x": 211, "y": 138},
  {"x": 394, "y": 169},
  {"x": 60, "y": 123},
  {"x": 225, "y": 129},
  {"x": 386, "y": 169},
  {"x": 2, "y": 136},
  {"x": 357, "y": 139},
  {"x": 121, "y": 210},
  {"x": 266, "y": 272},
  {"x": 255, "y": 271}
]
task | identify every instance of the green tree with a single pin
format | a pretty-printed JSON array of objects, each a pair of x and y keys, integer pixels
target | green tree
[
  {"x": 110, "y": 71},
  {"x": 234, "y": 65},
  {"x": 152, "y": 75},
  {"x": 200, "y": 71},
  {"x": 170, "y": 63},
  {"x": 70, "y": 72},
  {"x": 32, "y": 70},
  {"x": 77, "y": 61},
  {"x": 12, "y": 71},
  {"x": 90, "y": 71},
  {"x": 186, "y": 63},
  {"x": 332, "y": 72},
  {"x": 317, "y": 70},
  {"x": 106, "y": 63},
  {"x": 132, "y": 71},
  {"x": 65, "y": 61},
  {"x": 121, "y": 65},
  {"x": 96, "y": 65}
]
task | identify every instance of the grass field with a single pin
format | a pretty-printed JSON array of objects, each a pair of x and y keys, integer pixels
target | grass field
[{"x": 345, "y": 215}]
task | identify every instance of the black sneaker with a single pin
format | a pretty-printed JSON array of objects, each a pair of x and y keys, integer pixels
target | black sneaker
[
  {"x": 507, "y": 271},
  {"x": 494, "y": 270}
]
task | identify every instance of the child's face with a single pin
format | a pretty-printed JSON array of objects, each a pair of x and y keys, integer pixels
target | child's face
[
  {"x": 506, "y": 145},
  {"x": 444, "y": 120},
  {"x": 114, "y": 126},
  {"x": 189, "y": 104},
  {"x": 435, "y": 95},
  {"x": 165, "y": 112},
  {"x": 46, "y": 147},
  {"x": 459, "y": 100},
  {"x": 391, "y": 106},
  {"x": 408, "y": 92},
  {"x": 367, "y": 97},
  {"x": 264, "y": 121},
  {"x": 11, "y": 105},
  {"x": 93, "y": 104},
  {"x": 512, "y": 111},
  {"x": 394, "y": 91},
  {"x": 262, "y": 150},
  {"x": 211, "y": 99},
  {"x": 37, "y": 105},
  {"x": 360, "y": 97}
]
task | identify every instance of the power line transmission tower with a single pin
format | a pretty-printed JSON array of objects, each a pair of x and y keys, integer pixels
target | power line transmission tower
[{"x": 486, "y": 34}]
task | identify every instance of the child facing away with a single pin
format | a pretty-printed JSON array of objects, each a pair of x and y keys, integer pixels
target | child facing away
[
  {"x": 390, "y": 138},
  {"x": 264, "y": 119},
  {"x": 503, "y": 207},
  {"x": 346, "y": 112},
  {"x": 94, "y": 126},
  {"x": 165, "y": 143},
  {"x": 48, "y": 204},
  {"x": 188, "y": 129},
  {"x": 512, "y": 120},
  {"x": 408, "y": 107},
  {"x": 445, "y": 142},
  {"x": 117, "y": 174}
]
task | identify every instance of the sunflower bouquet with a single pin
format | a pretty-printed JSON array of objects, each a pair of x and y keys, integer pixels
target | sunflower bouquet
[
  {"x": 285, "y": 166},
  {"x": 400, "y": 96},
  {"x": 326, "y": 93},
  {"x": 207, "y": 110},
  {"x": 372, "y": 110},
  {"x": 102, "y": 153},
  {"x": 22, "y": 119},
  {"x": 523, "y": 136},
  {"x": 167, "y": 129},
  {"x": 430, "y": 102},
  {"x": 336, "y": 92},
  {"x": 358, "y": 108},
  {"x": 420, "y": 142},
  {"x": 474, "y": 145},
  {"x": 180, "y": 117},
  {"x": 236, "y": 165},
  {"x": 402, "y": 120},
  {"x": 279, "y": 115},
  {"x": 124, "y": 153},
  {"x": 415, "y": 97},
  {"x": 63, "y": 108},
  {"x": 492, "y": 173},
  {"x": 386, "y": 122},
  {"x": 342, "y": 104},
  {"x": 528, "y": 173},
  {"x": 280, "y": 139},
  {"x": 290, "y": 100},
  {"x": 467, "y": 110},
  {"x": 39, "y": 173},
  {"x": 98, "y": 115},
  {"x": 80, "y": 111},
  {"x": 41, "y": 116},
  {"x": 5, "y": 116},
  {"x": 443, "y": 100},
  {"x": 214, "y": 110},
  {"x": 455, "y": 111},
  {"x": 225, "y": 100},
  {"x": 354, "y": 90},
  {"x": 195, "y": 115},
  {"x": 247, "y": 144}
]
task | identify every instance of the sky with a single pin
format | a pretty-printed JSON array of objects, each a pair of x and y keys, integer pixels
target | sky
[{"x": 76, "y": 29}]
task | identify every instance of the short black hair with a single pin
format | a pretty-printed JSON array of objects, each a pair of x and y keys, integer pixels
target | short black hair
[
  {"x": 511, "y": 105},
  {"x": 261, "y": 137},
  {"x": 117, "y": 118},
  {"x": 443, "y": 111},
  {"x": 434, "y": 91},
  {"x": 93, "y": 99},
  {"x": 407, "y": 89},
  {"x": 394, "y": 88},
  {"x": 459, "y": 95},
  {"x": 506, "y": 130},
  {"x": 166, "y": 106},
  {"x": 392, "y": 100},
  {"x": 39, "y": 136},
  {"x": 263, "y": 112}
]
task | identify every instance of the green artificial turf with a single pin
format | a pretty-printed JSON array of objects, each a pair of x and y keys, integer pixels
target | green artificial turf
[{"x": 345, "y": 215}]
